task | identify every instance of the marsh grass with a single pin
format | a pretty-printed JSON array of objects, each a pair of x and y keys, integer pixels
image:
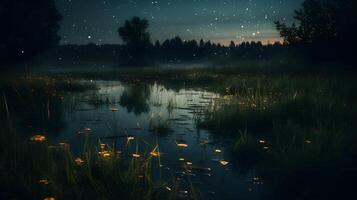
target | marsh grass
[
  {"x": 284, "y": 127},
  {"x": 285, "y": 123},
  {"x": 36, "y": 169},
  {"x": 25, "y": 163}
]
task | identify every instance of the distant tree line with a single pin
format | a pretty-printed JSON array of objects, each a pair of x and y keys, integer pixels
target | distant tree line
[
  {"x": 173, "y": 50},
  {"x": 324, "y": 29},
  {"x": 139, "y": 50}
]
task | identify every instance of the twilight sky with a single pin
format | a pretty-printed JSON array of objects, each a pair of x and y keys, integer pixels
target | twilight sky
[{"x": 97, "y": 21}]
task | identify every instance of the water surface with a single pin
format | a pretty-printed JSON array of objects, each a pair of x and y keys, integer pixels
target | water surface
[{"x": 134, "y": 118}]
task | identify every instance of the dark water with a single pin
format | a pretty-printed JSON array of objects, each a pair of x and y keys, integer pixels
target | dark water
[{"x": 126, "y": 117}]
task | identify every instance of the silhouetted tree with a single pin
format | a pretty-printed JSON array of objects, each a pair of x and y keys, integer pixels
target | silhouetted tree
[
  {"x": 322, "y": 24},
  {"x": 137, "y": 40},
  {"x": 27, "y": 28}
]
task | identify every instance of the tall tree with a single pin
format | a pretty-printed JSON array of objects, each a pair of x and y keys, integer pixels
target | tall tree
[
  {"x": 27, "y": 28},
  {"x": 321, "y": 22},
  {"x": 136, "y": 37}
]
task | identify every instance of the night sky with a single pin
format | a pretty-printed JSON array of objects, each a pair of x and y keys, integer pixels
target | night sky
[{"x": 97, "y": 21}]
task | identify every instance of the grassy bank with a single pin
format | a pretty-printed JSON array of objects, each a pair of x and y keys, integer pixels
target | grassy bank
[{"x": 295, "y": 130}]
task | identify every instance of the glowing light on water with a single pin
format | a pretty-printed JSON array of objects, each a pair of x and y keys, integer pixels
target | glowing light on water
[
  {"x": 136, "y": 155},
  {"x": 104, "y": 154},
  {"x": 114, "y": 109},
  {"x": 38, "y": 138},
  {"x": 223, "y": 162},
  {"x": 183, "y": 145},
  {"x": 43, "y": 182},
  {"x": 79, "y": 161},
  {"x": 155, "y": 153}
]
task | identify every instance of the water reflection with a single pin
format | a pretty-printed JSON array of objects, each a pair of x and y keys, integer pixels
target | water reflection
[
  {"x": 134, "y": 121},
  {"x": 135, "y": 98}
]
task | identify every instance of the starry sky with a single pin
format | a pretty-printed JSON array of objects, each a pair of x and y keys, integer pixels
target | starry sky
[{"x": 97, "y": 21}]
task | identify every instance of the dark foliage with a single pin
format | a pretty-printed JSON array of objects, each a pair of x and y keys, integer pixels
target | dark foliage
[
  {"x": 136, "y": 38},
  {"x": 27, "y": 28},
  {"x": 325, "y": 26},
  {"x": 173, "y": 50}
]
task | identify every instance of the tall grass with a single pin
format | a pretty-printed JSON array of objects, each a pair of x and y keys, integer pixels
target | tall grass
[{"x": 286, "y": 126}]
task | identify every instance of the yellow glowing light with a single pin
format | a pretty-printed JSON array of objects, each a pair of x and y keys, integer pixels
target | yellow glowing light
[
  {"x": 79, "y": 161},
  {"x": 136, "y": 155},
  {"x": 155, "y": 153},
  {"x": 183, "y": 145},
  {"x": 104, "y": 154},
  {"x": 223, "y": 162},
  {"x": 114, "y": 109},
  {"x": 217, "y": 150},
  {"x": 38, "y": 138},
  {"x": 43, "y": 181}
]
